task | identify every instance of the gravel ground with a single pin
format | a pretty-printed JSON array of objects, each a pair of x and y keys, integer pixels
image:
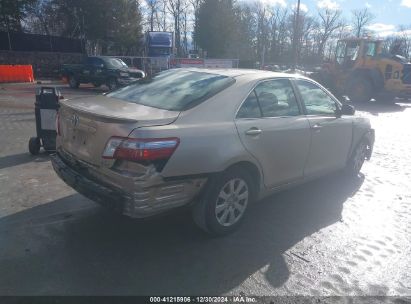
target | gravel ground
[{"x": 334, "y": 236}]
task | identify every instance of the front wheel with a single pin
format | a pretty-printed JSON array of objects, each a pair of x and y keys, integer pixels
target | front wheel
[
  {"x": 112, "y": 84},
  {"x": 73, "y": 82},
  {"x": 359, "y": 90},
  {"x": 224, "y": 202},
  {"x": 34, "y": 145},
  {"x": 357, "y": 159}
]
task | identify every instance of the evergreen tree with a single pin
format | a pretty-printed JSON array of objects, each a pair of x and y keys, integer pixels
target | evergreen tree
[
  {"x": 216, "y": 27},
  {"x": 12, "y": 12}
]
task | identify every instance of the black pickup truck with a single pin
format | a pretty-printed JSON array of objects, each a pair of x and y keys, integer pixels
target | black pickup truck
[{"x": 112, "y": 72}]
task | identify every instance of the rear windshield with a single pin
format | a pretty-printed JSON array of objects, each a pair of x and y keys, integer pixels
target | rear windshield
[{"x": 174, "y": 90}]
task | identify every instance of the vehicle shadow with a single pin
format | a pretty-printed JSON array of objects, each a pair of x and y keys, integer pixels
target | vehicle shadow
[
  {"x": 47, "y": 251},
  {"x": 22, "y": 158}
]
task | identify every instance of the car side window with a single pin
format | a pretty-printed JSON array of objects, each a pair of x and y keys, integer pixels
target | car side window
[
  {"x": 315, "y": 99},
  {"x": 276, "y": 98},
  {"x": 250, "y": 107}
]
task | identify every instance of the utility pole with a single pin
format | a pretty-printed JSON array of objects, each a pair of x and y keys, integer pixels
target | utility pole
[
  {"x": 295, "y": 38},
  {"x": 8, "y": 33},
  {"x": 263, "y": 58}
]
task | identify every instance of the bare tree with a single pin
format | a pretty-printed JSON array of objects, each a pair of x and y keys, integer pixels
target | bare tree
[
  {"x": 360, "y": 19},
  {"x": 330, "y": 22},
  {"x": 399, "y": 43},
  {"x": 405, "y": 34},
  {"x": 308, "y": 27},
  {"x": 176, "y": 9},
  {"x": 152, "y": 11},
  {"x": 162, "y": 19},
  {"x": 261, "y": 16},
  {"x": 296, "y": 30}
]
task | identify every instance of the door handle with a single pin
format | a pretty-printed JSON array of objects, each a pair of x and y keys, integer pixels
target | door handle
[
  {"x": 316, "y": 127},
  {"x": 253, "y": 131}
]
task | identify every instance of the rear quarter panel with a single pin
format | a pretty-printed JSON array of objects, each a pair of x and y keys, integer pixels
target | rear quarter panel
[{"x": 209, "y": 140}]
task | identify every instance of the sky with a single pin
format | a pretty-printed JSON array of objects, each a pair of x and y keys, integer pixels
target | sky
[{"x": 389, "y": 14}]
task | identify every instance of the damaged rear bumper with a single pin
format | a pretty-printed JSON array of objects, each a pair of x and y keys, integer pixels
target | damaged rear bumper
[{"x": 150, "y": 197}]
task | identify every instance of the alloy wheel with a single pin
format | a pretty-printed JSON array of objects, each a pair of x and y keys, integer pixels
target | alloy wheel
[{"x": 231, "y": 202}]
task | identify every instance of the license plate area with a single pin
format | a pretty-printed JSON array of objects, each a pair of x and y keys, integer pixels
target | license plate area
[
  {"x": 79, "y": 137},
  {"x": 80, "y": 144}
]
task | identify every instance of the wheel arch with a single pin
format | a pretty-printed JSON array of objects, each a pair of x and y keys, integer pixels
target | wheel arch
[
  {"x": 250, "y": 168},
  {"x": 367, "y": 136}
]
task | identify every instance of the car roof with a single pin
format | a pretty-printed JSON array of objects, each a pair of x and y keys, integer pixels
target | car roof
[{"x": 255, "y": 74}]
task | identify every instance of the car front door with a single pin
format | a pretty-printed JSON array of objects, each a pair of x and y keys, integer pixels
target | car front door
[
  {"x": 331, "y": 134},
  {"x": 85, "y": 72},
  {"x": 97, "y": 71},
  {"x": 272, "y": 128}
]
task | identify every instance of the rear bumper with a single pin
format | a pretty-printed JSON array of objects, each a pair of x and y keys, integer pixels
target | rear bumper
[{"x": 143, "y": 201}]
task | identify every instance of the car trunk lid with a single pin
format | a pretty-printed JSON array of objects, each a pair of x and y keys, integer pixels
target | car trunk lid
[{"x": 86, "y": 124}]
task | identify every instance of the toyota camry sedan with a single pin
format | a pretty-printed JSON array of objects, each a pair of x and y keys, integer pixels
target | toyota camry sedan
[{"x": 213, "y": 140}]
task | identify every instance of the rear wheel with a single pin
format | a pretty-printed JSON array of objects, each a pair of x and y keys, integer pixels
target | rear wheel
[
  {"x": 224, "y": 203},
  {"x": 386, "y": 97},
  {"x": 359, "y": 90},
  {"x": 34, "y": 145},
  {"x": 73, "y": 82}
]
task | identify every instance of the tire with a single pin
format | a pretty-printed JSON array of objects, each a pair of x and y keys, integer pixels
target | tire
[
  {"x": 112, "y": 84},
  {"x": 73, "y": 82},
  {"x": 357, "y": 158},
  {"x": 209, "y": 212},
  {"x": 34, "y": 145},
  {"x": 386, "y": 97},
  {"x": 360, "y": 90},
  {"x": 96, "y": 84}
]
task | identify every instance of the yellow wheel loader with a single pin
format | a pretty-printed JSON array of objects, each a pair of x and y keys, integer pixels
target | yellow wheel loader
[{"x": 362, "y": 72}]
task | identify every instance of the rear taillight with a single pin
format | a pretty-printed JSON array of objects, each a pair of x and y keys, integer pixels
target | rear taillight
[
  {"x": 140, "y": 149},
  {"x": 58, "y": 124}
]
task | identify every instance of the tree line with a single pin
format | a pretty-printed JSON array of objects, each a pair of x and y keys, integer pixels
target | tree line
[{"x": 253, "y": 31}]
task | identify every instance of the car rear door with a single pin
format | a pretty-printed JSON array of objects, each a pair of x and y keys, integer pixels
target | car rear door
[
  {"x": 272, "y": 128},
  {"x": 331, "y": 134},
  {"x": 85, "y": 70}
]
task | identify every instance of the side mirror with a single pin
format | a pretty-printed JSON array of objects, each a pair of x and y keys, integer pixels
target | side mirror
[
  {"x": 344, "y": 99},
  {"x": 347, "y": 109}
]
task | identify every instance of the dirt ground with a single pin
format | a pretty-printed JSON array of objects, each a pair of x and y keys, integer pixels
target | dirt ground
[{"x": 333, "y": 236}]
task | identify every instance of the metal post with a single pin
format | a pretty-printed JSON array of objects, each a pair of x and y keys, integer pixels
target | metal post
[
  {"x": 8, "y": 36},
  {"x": 295, "y": 38},
  {"x": 8, "y": 31},
  {"x": 263, "y": 58}
]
